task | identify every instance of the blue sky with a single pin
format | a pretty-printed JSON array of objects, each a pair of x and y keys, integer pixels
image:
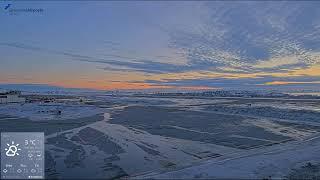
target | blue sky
[{"x": 138, "y": 45}]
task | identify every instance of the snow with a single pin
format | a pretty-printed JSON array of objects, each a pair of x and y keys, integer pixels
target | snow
[
  {"x": 135, "y": 160},
  {"x": 276, "y": 161},
  {"x": 48, "y": 111},
  {"x": 279, "y": 129},
  {"x": 148, "y": 155}
]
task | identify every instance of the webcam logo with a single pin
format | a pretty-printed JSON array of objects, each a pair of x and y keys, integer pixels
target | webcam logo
[{"x": 7, "y": 6}]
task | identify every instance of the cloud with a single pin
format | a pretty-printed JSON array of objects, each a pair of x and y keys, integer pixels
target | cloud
[
  {"x": 290, "y": 82},
  {"x": 253, "y": 35},
  {"x": 147, "y": 66},
  {"x": 238, "y": 44}
]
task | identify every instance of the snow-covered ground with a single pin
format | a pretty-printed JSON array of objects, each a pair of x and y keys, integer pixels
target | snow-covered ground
[
  {"x": 150, "y": 137},
  {"x": 140, "y": 151},
  {"x": 48, "y": 111},
  {"x": 289, "y": 105},
  {"x": 271, "y": 162}
]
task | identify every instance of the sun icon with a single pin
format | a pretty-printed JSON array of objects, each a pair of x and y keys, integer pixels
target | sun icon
[{"x": 12, "y": 149}]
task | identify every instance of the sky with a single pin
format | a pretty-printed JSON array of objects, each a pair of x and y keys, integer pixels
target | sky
[{"x": 110, "y": 45}]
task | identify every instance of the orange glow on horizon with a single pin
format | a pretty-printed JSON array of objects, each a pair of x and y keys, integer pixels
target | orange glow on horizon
[
  {"x": 120, "y": 80},
  {"x": 129, "y": 86},
  {"x": 290, "y": 82}
]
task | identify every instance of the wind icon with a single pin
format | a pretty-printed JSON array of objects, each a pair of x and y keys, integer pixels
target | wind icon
[{"x": 7, "y": 6}]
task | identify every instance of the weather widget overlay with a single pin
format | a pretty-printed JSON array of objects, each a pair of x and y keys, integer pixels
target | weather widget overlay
[{"x": 22, "y": 155}]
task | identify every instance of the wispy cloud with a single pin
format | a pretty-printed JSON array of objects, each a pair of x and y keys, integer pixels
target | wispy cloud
[
  {"x": 222, "y": 44},
  {"x": 290, "y": 82}
]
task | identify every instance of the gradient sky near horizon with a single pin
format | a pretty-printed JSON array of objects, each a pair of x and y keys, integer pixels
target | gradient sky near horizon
[{"x": 162, "y": 45}]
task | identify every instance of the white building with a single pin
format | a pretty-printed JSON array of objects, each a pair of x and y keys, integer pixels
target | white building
[{"x": 11, "y": 97}]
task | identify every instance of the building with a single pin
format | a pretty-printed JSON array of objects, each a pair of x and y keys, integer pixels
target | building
[{"x": 11, "y": 97}]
